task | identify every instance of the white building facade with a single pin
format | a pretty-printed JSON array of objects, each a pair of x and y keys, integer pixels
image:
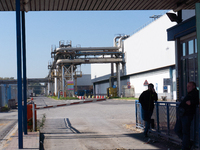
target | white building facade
[{"x": 149, "y": 57}]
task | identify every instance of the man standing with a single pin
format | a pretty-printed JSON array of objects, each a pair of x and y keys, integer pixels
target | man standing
[
  {"x": 147, "y": 99},
  {"x": 185, "y": 117}
]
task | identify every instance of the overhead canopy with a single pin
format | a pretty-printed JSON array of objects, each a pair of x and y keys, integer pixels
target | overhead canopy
[{"x": 63, "y": 5}]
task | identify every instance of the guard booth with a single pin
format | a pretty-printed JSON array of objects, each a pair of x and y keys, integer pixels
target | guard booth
[{"x": 184, "y": 35}]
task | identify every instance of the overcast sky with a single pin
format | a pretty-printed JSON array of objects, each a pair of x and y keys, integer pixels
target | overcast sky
[{"x": 44, "y": 29}]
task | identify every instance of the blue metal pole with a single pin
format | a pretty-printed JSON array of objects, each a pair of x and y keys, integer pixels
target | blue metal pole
[
  {"x": 24, "y": 73},
  {"x": 171, "y": 85},
  {"x": 168, "y": 121},
  {"x": 141, "y": 114},
  {"x": 19, "y": 75},
  {"x": 157, "y": 115},
  {"x": 136, "y": 121},
  {"x": 197, "y": 10}
]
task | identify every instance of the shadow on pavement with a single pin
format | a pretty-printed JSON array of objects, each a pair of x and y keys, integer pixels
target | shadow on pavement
[{"x": 155, "y": 141}]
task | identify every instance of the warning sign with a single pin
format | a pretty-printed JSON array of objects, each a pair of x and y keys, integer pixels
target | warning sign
[
  {"x": 146, "y": 83},
  {"x": 70, "y": 85}
]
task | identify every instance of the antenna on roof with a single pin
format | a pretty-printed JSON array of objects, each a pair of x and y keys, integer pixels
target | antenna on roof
[{"x": 155, "y": 16}]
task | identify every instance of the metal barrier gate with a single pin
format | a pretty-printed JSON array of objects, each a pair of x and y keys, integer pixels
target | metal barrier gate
[{"x": 165, "y": 119}]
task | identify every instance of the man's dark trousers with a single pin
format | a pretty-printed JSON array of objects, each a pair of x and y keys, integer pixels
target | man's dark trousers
[
  {"x": 146, "y": 116},
  {"x": 182, "y": 129}
]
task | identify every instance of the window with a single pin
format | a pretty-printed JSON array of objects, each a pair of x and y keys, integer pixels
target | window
[
  {"x": 191, "y": 47},
  {"x": 189, "y": 69},
  {"x": 195, "y": 41},
  {"x": 183, "y": 49}
]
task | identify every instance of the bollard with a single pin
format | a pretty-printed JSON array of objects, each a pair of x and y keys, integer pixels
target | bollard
[
  {"x": 31, "y": 116},
  {"x": 33, "y": 110}
]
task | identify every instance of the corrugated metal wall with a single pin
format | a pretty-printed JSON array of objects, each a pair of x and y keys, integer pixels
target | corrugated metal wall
[{"x": 7, "y": 92}]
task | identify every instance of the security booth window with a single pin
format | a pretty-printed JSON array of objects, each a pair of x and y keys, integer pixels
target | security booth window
[{"x": 188, "y": 63}]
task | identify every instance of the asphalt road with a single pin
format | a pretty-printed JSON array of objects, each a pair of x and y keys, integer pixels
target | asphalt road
[{"x": 100, "y": 125}]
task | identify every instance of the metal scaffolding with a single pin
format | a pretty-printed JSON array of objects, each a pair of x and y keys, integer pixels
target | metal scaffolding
[{"x": 66, "y": 59}]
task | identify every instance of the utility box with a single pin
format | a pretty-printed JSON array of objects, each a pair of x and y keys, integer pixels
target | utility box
[
  {"x": 11, "y": 103},
  {"x": 111, "y": 92},
  {"x": 128, "y": 91}
]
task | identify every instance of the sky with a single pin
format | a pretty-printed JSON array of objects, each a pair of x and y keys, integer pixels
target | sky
[{"x": 44, "y": 29}]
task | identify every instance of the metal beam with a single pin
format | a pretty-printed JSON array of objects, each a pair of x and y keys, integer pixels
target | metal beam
[
  {"x": 87, "y": 49},
  {"x": 19, "y": 74},
  {"x": 33, "y": 80},
  {"x": 24, "y": 73}
]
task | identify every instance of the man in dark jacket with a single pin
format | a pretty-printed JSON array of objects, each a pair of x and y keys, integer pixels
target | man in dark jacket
[
  {"x": 147, "y": 99},
  {"x": 184, "y": 119}
]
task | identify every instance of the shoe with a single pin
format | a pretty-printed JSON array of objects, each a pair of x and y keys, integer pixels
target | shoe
[
  {"x": 145, "y": 135},
  {"x": 191, "y": 145}
]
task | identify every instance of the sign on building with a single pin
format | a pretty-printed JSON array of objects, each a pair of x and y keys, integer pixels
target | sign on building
[
  {"x": 167, "y": 81},
  {"x": 146, "y": 83},
  {"x": 165, "y": 89}
]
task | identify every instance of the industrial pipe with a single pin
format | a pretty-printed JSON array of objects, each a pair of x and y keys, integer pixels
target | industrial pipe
[
  {"x": 122, "y": 38},
  {"x": 115, "y": 40},
  {"x": 87, "y": 61},
  {"x": 86, "y": 49}
]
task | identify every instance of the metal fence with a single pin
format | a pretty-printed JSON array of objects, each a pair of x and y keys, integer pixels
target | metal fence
[{"x": 165, "y": 116}]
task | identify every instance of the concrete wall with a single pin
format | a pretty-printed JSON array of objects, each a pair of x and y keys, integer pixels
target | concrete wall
[
  {"x": 155, "y": 77},
  {"x": 98, "y": 70},
  {"x": 148, "y": 48}
]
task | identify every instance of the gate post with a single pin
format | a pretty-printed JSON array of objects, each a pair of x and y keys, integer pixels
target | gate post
[
  {"x": 157, "y": 115},
  {"x": 197, "y": 10}
]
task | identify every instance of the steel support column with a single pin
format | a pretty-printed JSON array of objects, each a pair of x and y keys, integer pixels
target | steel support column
[
  {"x": 72, "y": 76},
  {"x": 49, "y": 88},
  {"x": 63, "y": 80},
  {"x": 171, "y": 85},
  {"x": 24, "y": 73},
  {"x": 118, "y": 79},
  {"x": 112, "y": 73},
  {"x": 19, "y": 75},
  {"x": 197, "y": 10},
  {"x": 55, "y": 82}
]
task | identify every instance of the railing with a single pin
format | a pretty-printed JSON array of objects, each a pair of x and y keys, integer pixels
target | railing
[{"x": 165, "y": 116}]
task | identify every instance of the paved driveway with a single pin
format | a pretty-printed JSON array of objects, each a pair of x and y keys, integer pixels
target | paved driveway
[{"x": 100, "y": 125}]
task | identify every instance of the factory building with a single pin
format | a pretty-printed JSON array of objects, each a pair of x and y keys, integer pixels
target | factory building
[{"x": 149, "y": 57}]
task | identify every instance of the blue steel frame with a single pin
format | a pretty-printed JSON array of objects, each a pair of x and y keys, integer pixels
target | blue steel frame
[
  {"x": 22, "y": 111},
  {"x": 19, "y": 74},
  {"x": 24, "y": 74}
]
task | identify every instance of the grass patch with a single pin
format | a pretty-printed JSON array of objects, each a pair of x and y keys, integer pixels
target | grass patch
[
  {"x": 40, "y": 124},
  {"x": 4, "y": 108},
  {"x": 63, "y": 98},
  {"x": 125, "y": 98}
]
